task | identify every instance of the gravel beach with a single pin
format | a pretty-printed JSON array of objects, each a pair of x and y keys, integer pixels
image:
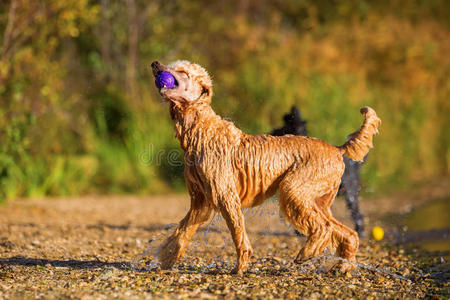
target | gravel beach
[{"x": 102, "y": 247}]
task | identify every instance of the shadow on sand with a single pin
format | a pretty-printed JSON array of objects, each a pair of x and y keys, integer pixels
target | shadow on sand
[{"x": 71, "y": 263}]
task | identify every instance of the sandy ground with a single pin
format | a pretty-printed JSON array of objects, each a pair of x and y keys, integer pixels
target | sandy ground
[{"x": 102, "y": 247}]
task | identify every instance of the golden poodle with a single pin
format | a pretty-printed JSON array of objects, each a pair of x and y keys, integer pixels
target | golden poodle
[{"x": 227, "y": 170}]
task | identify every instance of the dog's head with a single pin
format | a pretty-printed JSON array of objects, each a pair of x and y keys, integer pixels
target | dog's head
[{"x": 192, "y": 82}]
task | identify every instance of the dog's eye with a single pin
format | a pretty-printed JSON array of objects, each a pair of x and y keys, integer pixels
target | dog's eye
[{"x": 185, "y": 74}]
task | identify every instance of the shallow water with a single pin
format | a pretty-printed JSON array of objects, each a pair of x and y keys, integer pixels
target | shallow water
[
  {"x": 435, "y": 215},
  {"x": 431, "y": 225}
]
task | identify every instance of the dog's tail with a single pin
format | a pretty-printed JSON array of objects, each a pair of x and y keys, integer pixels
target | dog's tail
[{"x": 359, "y": 142}]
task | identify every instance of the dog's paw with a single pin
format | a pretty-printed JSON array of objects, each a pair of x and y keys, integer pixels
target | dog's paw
[
  {"x": 168, "y": 255},
  {"x": 342, "y": 267},
  {"x": 239, "y": 270},
  {"x": 302, "y": 257}
]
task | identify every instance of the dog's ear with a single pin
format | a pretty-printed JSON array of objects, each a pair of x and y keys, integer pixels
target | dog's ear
[
  {"x": 203, "y": 78},
  {"x": 206, "y": 91},
  {"x": 206, "y": 87}
]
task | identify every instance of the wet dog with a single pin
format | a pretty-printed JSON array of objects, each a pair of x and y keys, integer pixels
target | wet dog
[
  {"x": 350, "y": 183},
  {"x": 227, "y": 170}
]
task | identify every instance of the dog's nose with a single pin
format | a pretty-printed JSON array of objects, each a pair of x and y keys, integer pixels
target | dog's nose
[
  {"x": 156, "y": 67},
  {"x": 155, "y": 64}
]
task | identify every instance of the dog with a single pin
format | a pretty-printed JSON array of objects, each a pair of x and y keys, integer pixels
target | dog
[
  {"x": 350, "y": 182},
  {"x": 227, "y": 170}
]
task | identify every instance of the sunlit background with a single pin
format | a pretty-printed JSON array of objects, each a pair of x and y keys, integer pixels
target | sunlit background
[{"x": 80, "y": 113}]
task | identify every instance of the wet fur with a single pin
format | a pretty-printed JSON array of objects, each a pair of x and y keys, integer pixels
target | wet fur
[
  {"x": 227, "y": 170},
  {"x": 350, "y": 182}
]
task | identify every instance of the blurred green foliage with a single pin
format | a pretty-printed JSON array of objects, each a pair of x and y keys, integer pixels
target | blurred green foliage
[{"x": 80, "y": 114}]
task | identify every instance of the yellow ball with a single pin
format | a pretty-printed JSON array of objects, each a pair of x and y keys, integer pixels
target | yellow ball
[{"x": 377, "y": 233}]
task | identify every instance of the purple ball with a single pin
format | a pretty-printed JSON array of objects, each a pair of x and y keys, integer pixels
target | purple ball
[{"x": 165, "y": 79}]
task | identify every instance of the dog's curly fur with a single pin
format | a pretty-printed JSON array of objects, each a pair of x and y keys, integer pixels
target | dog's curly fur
[
  {"x": 350, "y": 182},
  {"x": 227, "y": 170}
]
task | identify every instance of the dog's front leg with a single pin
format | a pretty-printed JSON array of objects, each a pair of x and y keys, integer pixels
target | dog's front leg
[
  {"x": 175, "y": 246},
  {"x": 230, "y": 208}
]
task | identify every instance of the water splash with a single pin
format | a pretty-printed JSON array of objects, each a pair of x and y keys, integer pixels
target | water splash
[
  {"x": 215, "y": 235},
  {"x": 306, "y": 266},
  {"x": 148, "y": 260}
]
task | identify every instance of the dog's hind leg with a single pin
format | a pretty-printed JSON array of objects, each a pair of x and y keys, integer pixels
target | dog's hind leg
[
  {"x": 298, "y": 205},
  {"x": 324, "y": 202},
  {"x": 175, "y": 246},
  {"x": 299, "y": 202},
  {"x": 345, "y": 242}
]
